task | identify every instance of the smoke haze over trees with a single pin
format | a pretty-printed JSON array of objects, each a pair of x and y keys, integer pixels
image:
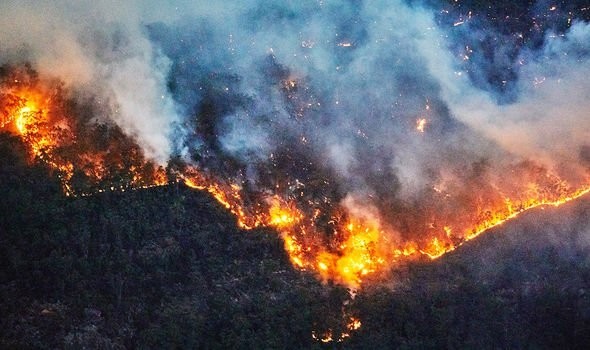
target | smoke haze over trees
[{"x": 420, "y": 118}]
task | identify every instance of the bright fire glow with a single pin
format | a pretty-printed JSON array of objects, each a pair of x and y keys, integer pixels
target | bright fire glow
[
  {"x": 353, "y": 324},
  {"x": 421, "y": 124},
  {"x": 282, "y": 214},
  {"x": 343, "y": 248},
  {"x": 35, "y": 111}
]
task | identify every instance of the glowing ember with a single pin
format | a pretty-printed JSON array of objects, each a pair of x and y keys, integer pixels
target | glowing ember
[
  {"x": 421, "y": 124},
  {"x": 353, "y": 324},
  {"x": 324, "y": 338},
  {"x": 295, "y": 251}
]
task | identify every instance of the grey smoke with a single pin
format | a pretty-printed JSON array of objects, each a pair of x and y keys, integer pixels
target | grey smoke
[
  {"x": 99, "y": 47},
  {"x": 339, "y": 84}
]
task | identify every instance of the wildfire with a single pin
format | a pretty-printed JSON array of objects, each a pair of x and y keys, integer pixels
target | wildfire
[
  {"x": 283, "y": 214},
  {"x": 27, "y": 112},
  {"x": 339, "y": 245},
  {"x": 349, "y": 248},
  {"x": 361, "y": 247},
  {"x": 29, "y": 117},
  {"x": 511, "y": 212},
  {"x": 229, "y": 195},
  {"x": 295, "y": 251},
  {"x": 353, "y": 324},
  {"x": 358, "y": 256},
  {"x": 438, "y": 246},
  {"x": 326, "y": 337},
  {"x": 35, "y": 110}
]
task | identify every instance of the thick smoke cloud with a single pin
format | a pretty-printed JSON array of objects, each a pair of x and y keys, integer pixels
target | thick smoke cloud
[
  {"x": 98, "y": 48},
  {"x": 345, "y": 79},
  {"x": 255, "y": 89},
  {"x": 548, "y": 121}
]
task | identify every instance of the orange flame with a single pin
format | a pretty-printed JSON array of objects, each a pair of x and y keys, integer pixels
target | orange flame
[
  {"x": 360, "y": 247},
  {"x": 421, "y": 124},
  {"x": 353, "y": 324},
  {"x": 351, "y": 252},
  {"x": 35, "y": 110},
  {"x": 282, "y": 215}
]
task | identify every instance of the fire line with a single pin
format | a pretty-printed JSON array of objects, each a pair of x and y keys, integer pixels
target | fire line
[{"x": 357, "y": 248}]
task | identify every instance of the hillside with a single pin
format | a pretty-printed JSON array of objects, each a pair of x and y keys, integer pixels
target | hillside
[
  {"x": 522, "y": 285},
  {"x": 157, "y": 268},
  {"x": 167, "y": 267}
]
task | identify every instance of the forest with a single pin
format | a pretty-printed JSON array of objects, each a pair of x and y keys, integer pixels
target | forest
[
  {"x": 120, "y": 265},
  {"x": 167, "y": 267}
]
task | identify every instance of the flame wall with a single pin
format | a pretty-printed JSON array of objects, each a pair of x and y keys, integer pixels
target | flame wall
[{"x": 365, "y": 132}]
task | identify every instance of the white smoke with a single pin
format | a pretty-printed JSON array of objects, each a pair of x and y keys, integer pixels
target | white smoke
[
  {"x": 549, "y": 121},
  {"x": 101, "y": 48}
]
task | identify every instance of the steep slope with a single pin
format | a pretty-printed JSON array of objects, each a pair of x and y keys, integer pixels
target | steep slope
[
  {"x": 155, "y": 268},
  {"x": 522, "y": 285}
]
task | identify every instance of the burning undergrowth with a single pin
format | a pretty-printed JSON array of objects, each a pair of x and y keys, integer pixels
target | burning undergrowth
[{"x": 90, "y": 154}]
